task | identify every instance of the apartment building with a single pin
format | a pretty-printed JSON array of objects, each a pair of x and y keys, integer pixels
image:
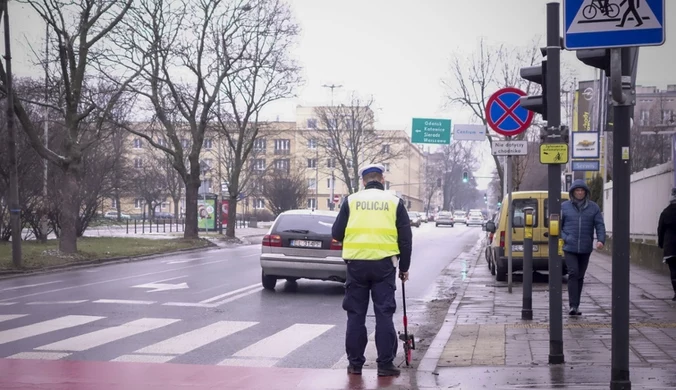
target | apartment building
[{"x": 285, "y": 146}]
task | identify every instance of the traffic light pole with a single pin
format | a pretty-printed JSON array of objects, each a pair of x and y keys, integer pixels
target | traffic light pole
[
  {"x": 623, "y": 101},
  {"x": 554, "y": 184}
]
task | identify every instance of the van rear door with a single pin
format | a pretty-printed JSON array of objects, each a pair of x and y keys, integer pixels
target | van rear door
[{"x": 518, "y": 220}]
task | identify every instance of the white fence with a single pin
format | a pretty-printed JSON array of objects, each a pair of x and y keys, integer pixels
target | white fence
[{"x": 650, "y": 191}]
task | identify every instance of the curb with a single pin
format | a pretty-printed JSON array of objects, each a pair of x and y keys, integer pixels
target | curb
[
  {"x": 426, "y": 372},
  {"x": 99, "y": 262}
]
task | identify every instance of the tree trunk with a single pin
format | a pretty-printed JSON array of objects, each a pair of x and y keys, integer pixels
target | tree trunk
[
  {"x": 191, "y": 193},
  {"x": 176, "y": 201},
  {"x": 232, "y": 216},
  {"x": 69, "y": 209}
]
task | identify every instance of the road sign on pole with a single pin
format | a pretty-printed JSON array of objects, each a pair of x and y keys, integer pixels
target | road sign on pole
[
  {"x": 509, "y": 148},
  {"x": 505, "y": 115},
  {"x": 592, "y": 24},
  {"x": 469, "y": 132},
  {"x": 431, "y": 131}
]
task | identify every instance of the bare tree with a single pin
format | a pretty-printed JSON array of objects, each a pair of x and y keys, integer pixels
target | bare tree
[
  {"x": 474, "y": 79},
  {"x": 79, "y": 29},
  {"x": 458, "y": 157},
  {"x": 346, "y": 135},
  {"x": 149, "y": 184},
  {"x": 285, "y": 190}
]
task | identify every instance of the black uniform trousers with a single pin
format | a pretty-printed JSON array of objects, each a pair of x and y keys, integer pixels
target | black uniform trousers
[{"x": 377, "y": 277}]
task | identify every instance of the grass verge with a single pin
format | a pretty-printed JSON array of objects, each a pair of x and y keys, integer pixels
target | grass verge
[{"x": 37, "y": 255}]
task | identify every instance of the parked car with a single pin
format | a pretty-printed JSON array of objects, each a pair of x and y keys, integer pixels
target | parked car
[
  {"x": 113, "y": 215},
  {"x": 415, "y": 218},
  {"x": 444, "y": 218},
  {"x": 299, "y": 245},
  {"x": 498, "y": 227},
  {"x": 460, "y": 217},
  {"x": 424, "y": 218}
]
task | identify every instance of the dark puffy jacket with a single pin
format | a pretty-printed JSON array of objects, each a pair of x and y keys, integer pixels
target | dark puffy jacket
[
  {"x": 578, "y": 225},
  {"x": 666, "y": 231}
]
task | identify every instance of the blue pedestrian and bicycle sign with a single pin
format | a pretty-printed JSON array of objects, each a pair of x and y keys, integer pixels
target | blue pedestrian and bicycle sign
[
  {"x": 505, "y": 115},
  {"x": 595, "y": 24}
]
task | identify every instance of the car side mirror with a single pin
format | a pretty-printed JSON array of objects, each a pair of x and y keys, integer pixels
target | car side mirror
[{"x": 490, "y": 227}]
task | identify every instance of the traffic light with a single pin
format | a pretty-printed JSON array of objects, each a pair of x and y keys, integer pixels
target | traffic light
[
  {"x": 596, "y": 58},
  {"x": 486, "y": 198},
  {"x": 465, "y": 177},
  {"x": 537, "y": 75},
  {"x": 499, "y": 204}
]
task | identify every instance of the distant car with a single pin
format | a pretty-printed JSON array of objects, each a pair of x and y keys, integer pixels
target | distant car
[
  {"x": 444, "y": 218},
  {"x": 299, "y": 245},
  {"x": 113, "y": 215},
  {"x": 460, "y": 217},
  {"x": 424, "y": 218},
  {"x": 475, "y": 218},
  {"x": 415, "y": 218}
]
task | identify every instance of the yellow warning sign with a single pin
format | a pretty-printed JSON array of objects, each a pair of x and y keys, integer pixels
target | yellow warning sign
[{"x": 554, "y": 154}]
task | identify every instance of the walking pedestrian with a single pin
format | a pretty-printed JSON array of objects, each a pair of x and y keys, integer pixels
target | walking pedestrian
[
  {"x": 375, "y": 230},
  {"x": 579, "y": 218},
  {"x": 666, "y": 237}
]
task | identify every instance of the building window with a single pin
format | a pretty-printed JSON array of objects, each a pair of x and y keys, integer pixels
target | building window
[
  {"x": 259, "y": 204},
  {"x": 311, "y": 184},
  {"x": 328, "y": 183},
  {"x": 113, "y": 203},
  {"x": 162, "y": 142},
  {"x": 312, "y": 203},
  {"x": 282, "y": 146},
  {"x": 259, "y": 164},
  {"x": 667, "y": 116},
  {"x": 206, "y": 164},
  {"x": 283, "y": 164},
  {"x": 386, "y": 148},
  {"x": 312, "y": 143},
  {"x": 387, "y": 167},
  {"x": 259, "y": 144},
  {"x": 185, "y": 143},
  {"x": 311, "y": 123},
  {"x": 331, "y": 163},
  {"x": 138, "y": 143},
  {"x": 387, "y": 185},
  {"x": 312, "y": 163},
  {"x": 332, "y": 123},
  {"x": 138, "y": 203},
  {"x": 207, "y": 144},
  {"x": 645, "y": 117},
  {"x": 138, "y": 162}
]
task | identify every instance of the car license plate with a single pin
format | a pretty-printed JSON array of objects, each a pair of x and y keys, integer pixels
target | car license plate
[
  {"x": 306, "y": 243},
  {"x": 519, "y": 248}
]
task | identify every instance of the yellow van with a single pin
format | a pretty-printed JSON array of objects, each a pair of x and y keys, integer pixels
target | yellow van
[{"x": 497, "y": 229}]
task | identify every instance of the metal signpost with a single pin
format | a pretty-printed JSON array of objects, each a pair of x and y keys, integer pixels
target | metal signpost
[
  {"x": 431, "y": 131},
  {"x": 527, "y": 301},
  {"x": 617, "y": 31},
  {"x": 506, "y": 117}
]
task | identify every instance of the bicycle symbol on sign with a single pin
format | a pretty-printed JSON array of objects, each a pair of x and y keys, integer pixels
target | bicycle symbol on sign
[{"x": 611, "y": 10}]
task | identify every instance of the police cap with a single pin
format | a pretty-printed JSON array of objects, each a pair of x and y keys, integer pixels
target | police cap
[{"x": 380, "y": 168}]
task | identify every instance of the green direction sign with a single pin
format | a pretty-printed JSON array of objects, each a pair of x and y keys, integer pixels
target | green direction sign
[{"x": 431, "y": 131}]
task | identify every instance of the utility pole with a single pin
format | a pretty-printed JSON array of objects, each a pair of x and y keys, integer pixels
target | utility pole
[
  {"x": 332, "y": 86},
  {"x": 14, "y": 206}
]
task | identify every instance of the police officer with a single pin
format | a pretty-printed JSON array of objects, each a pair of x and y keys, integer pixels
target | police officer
[{"x": 374, "y": 227}]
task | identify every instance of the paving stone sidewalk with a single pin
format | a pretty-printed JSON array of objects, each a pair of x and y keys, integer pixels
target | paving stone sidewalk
[{"x": 489, "y": 339}]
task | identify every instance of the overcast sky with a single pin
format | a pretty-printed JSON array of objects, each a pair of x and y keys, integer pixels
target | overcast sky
[{"x": 394, "y": 50}]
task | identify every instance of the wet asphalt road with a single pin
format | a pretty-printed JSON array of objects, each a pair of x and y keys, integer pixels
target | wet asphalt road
[{"x": 201, "y": 308}]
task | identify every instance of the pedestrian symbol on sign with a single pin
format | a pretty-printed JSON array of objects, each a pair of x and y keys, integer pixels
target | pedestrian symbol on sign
[{"x": 609, "y": 15}]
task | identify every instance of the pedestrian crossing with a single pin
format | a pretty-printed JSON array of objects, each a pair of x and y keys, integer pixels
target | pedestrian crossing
[{"x": 74, "y": 337}]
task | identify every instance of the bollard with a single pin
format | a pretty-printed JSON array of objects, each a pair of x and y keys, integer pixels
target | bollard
[{"x": 527, "y": 303}]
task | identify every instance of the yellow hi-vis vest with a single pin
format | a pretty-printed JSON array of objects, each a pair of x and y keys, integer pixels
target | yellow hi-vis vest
[{"x": 371, "y": 232}]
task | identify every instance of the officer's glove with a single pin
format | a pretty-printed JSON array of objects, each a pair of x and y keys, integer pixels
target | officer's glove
[{"x": 403, "y": 276}]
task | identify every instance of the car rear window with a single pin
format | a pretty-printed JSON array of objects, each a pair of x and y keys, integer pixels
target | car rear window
[
  {"x": 518, "y": 206},
  {"x": 317, "y": 224},
  {"x": 445, "y": 214}
]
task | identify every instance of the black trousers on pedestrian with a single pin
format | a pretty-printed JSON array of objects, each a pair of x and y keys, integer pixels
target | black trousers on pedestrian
[
  {"x": 672, "y": 269},
  {"x": 378, "y": 278},
  {"x": 577, "y": 264}
]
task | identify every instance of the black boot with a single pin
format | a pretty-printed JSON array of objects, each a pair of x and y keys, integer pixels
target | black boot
[
  {"x": 388, "y": 370},
  {"x": 354, "y": 370}
]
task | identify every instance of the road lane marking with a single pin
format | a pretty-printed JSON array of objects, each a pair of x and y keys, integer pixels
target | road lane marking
[
  {"x": 39, "y": 355},
  {"x": 56, "y": 302},
  {"x": 30, "y": 285},
  {"x": 273, "y": 348},
  {"x": 168, "y": 349},
  {"x": 24, "y": 332},
  {"x": 212, "y": 302},
  {"x": 7, "y": 303},
  {"x": 229, "y": 293},
  {"x": 110, "y": 280},
  {"x": 124, "y": 301},
  {"x": 8, "y": 317},
  {"x": 104, "y": 336}
]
